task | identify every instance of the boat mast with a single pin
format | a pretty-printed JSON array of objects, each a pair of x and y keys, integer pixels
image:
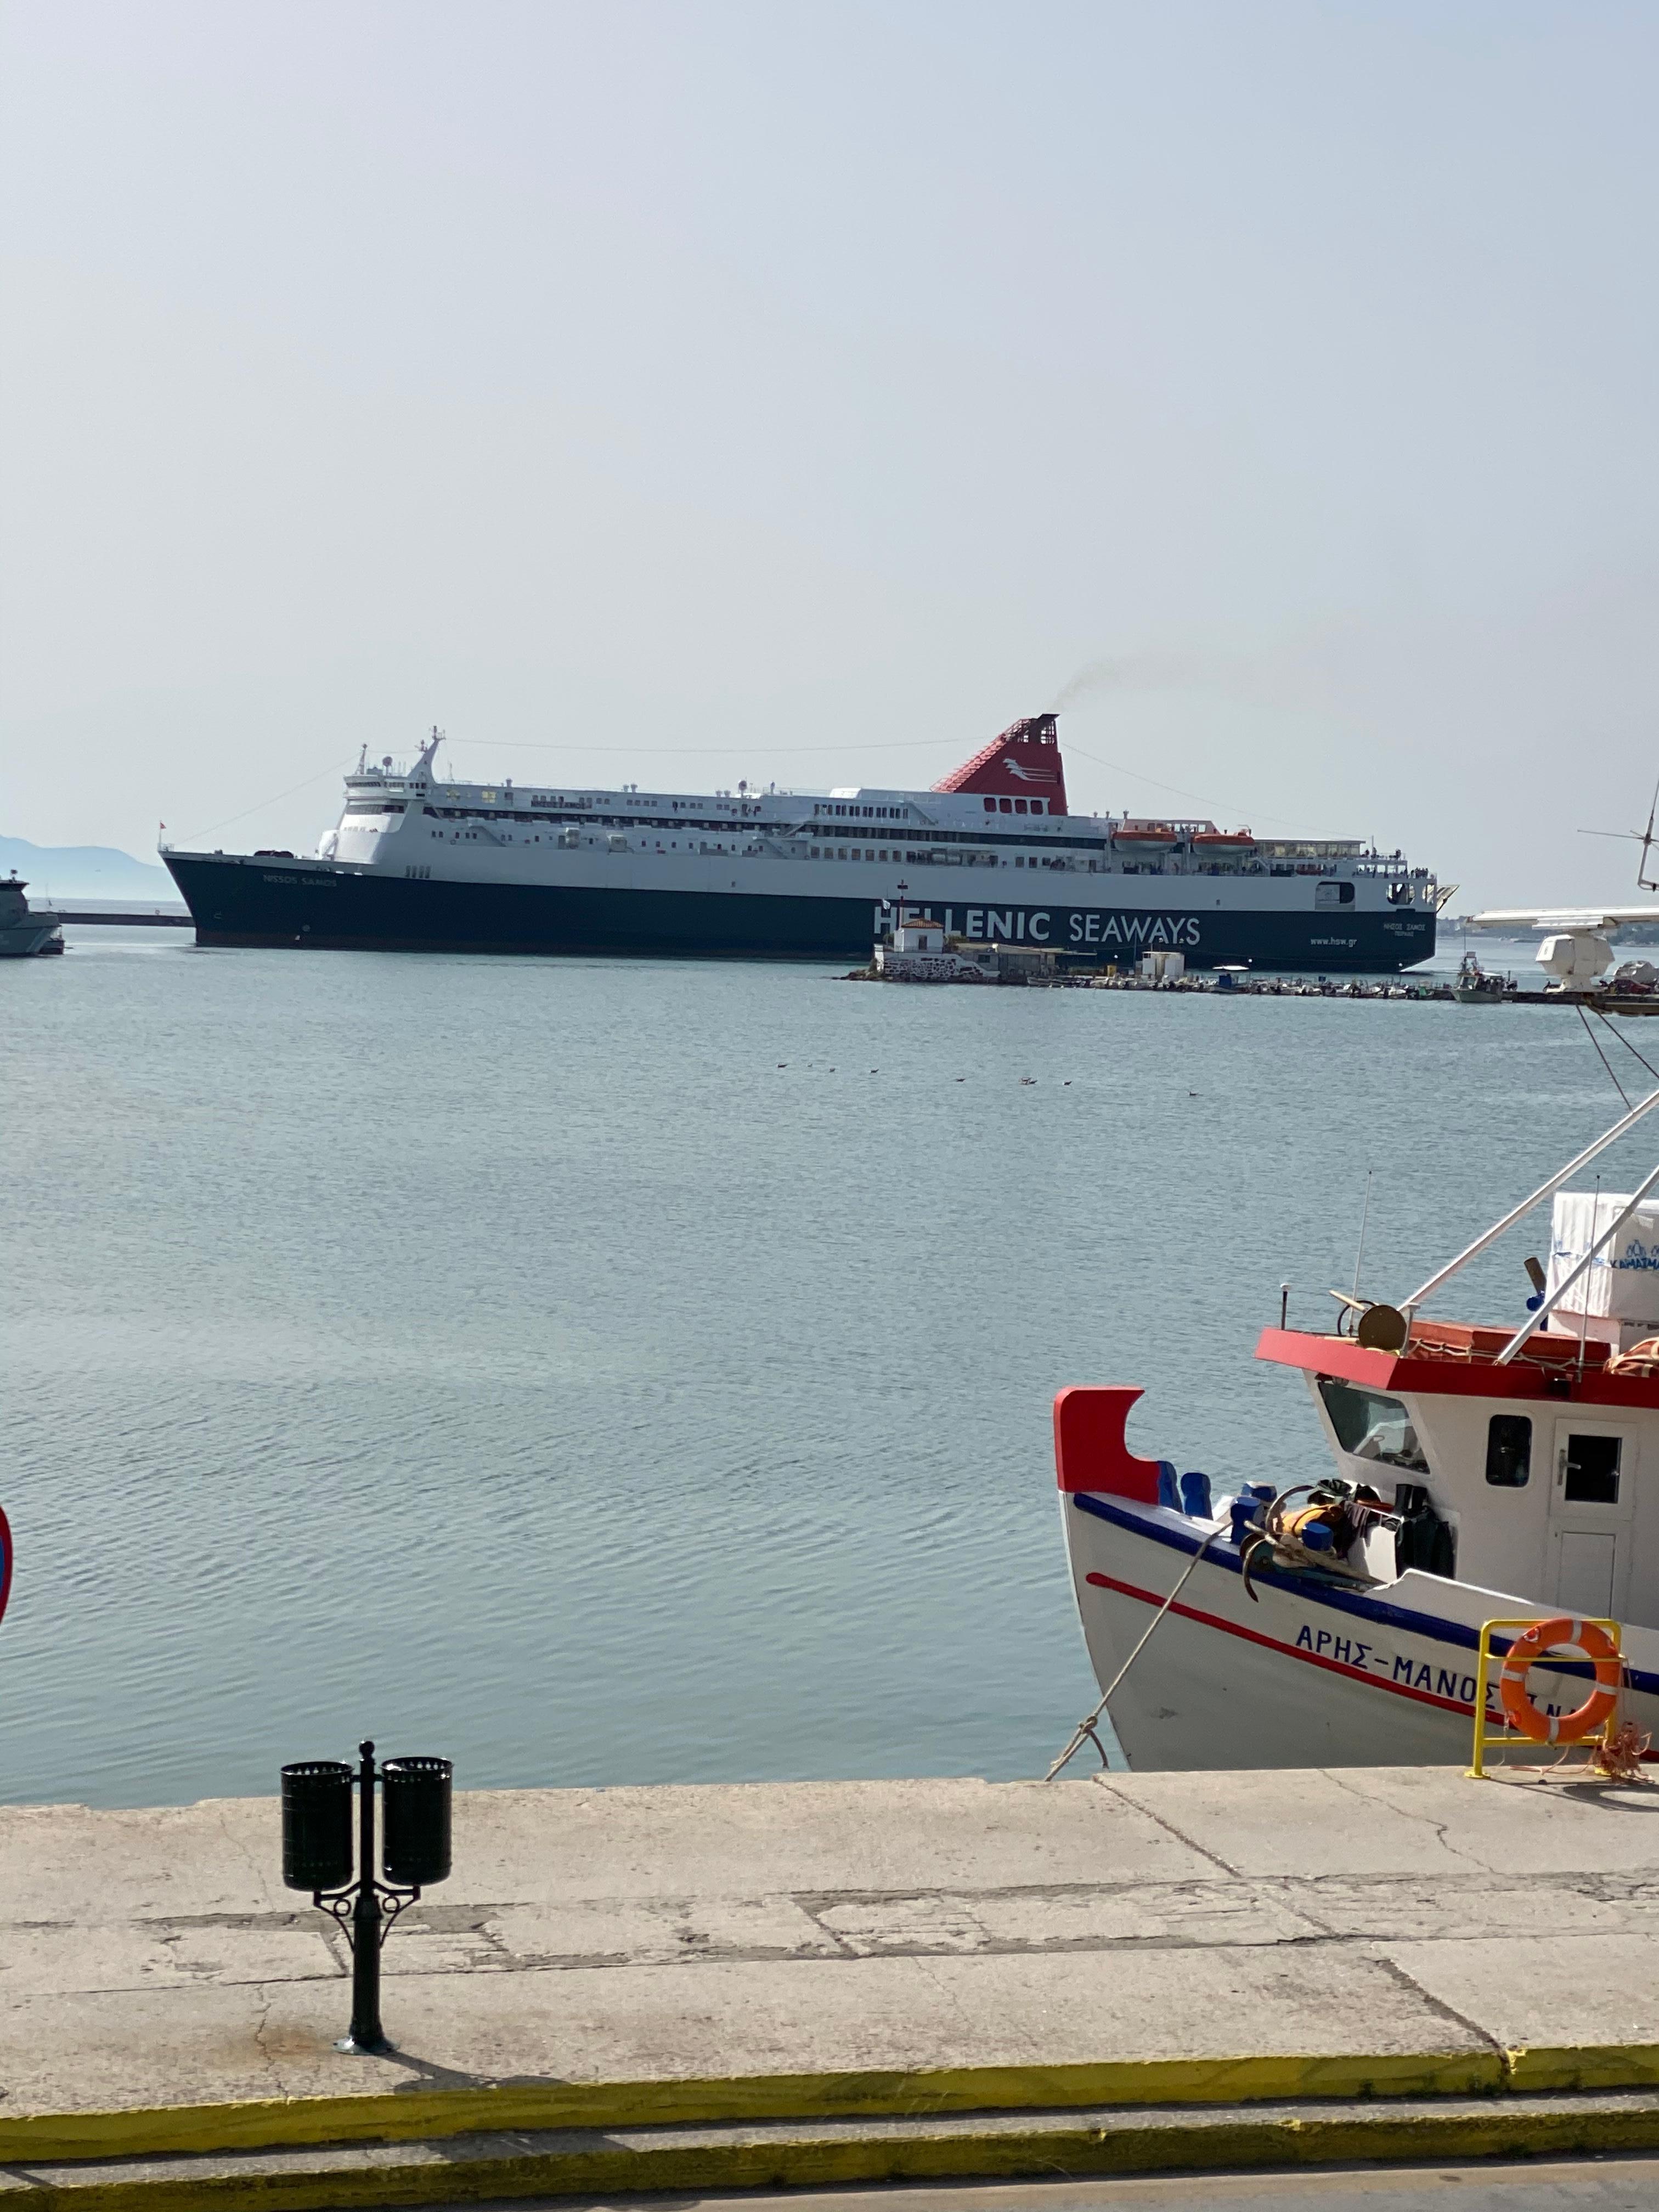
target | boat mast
[{"x": 1488, "y": 1237}]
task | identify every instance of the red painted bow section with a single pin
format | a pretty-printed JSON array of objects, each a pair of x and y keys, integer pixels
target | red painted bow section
[{"x": 1090, "y": 1450}]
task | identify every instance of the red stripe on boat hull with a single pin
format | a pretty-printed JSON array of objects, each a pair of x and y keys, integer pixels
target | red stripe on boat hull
[{"x": 1291, "y": 1651}]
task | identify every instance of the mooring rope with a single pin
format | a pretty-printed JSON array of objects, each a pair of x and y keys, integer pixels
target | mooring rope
[{"x": 1084, "y": 1732}]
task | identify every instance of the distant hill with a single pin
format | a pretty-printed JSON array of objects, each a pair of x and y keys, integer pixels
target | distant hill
[{"x": 95, "y": 872}]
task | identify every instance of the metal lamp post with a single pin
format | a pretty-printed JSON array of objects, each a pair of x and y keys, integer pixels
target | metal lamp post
[{"x": 317, "y": 1857}]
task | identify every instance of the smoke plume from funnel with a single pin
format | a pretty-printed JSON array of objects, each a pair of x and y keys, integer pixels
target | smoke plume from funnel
[{"x": 1135, "y": 672}]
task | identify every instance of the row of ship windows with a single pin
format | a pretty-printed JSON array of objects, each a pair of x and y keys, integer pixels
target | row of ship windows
[
  {"x": 827, "y": 808},
  {"x": 786, "y": 830},
  {"x": 824, "y": 810},
  {"x": 1329, "y": 894},
  {"x": 892, "y": 855},
  {"x": 781, "y": 830},
  {"x": 915, "y": 859},
  {"x": 921, "y": 859}
]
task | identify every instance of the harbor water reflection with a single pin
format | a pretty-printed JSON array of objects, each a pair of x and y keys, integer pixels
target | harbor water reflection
[{"x": 613, "y": 1371}]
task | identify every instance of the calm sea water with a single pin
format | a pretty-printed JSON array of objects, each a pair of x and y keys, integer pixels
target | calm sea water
[{"x": 607, "y": 1373}]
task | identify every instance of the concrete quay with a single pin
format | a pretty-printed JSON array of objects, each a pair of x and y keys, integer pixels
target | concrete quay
[{"x": 813, "y": 1983}]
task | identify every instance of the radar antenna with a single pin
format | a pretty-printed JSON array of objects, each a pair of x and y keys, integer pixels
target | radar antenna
[{"x": 1644, "y": 838}]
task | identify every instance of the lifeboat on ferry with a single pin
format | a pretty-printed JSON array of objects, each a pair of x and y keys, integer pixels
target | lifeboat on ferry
[
  {"x": 1144, "y": 840},
  {"x": 1217, "y": 844}
]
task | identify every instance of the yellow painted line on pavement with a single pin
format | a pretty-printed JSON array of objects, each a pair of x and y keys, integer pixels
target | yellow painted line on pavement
[
  {"x": 412, "y": 2115},
  {"x": 401, "y": 2116},
  {"x": 1587, "y": 2066},
  {"x": 1195, "y": 2143}
]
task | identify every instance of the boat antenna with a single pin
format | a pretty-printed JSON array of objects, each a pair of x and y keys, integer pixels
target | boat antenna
[
  {"x": 1364, "y": 1217},
  {"x": 1645, "y": 838},
  {"x": 1544, "y": 1190}
]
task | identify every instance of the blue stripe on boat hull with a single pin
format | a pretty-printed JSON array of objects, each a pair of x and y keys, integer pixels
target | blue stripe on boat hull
[{"x": 1310, "y": 1591}]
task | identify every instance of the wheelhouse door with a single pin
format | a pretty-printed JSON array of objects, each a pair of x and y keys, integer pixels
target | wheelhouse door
[{"x": 1592, "y": 1503}]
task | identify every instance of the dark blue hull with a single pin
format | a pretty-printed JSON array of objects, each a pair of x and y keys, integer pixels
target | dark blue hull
[{"x": 234, "y": 901}]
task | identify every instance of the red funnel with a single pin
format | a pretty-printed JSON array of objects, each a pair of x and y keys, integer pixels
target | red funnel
[{"x": 1024, "y": 762}]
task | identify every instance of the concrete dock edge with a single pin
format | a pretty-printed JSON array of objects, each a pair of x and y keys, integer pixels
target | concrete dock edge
[
  {"x": 804, "y": 1984},
  {"x": 432, "y": 2114},
  {"x": 585, "y": 2162}
]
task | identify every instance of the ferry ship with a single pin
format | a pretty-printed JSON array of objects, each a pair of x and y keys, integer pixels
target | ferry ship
[{"x": 419, "y": 863}]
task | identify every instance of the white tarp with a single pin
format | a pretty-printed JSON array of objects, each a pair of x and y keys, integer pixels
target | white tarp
[{"x": 1623, "y": 1282}]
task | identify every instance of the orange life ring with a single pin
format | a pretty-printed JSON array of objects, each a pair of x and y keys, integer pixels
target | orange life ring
[{"x": 1597, "y": 1646}]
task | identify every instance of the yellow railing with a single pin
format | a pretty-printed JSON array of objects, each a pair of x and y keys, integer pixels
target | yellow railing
[{"x": 1483, "y": 1672}]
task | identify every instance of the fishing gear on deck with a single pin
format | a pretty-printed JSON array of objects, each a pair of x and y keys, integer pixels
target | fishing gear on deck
[{"x": 1320, "y": 1535}]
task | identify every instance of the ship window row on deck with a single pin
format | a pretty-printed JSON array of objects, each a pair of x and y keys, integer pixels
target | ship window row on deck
[
  {"x": 824, "y": 810},
  {"x": 788, "y": 831},
  {"x": 794, "y": 834},
  {"x": 892, "y": 853}
]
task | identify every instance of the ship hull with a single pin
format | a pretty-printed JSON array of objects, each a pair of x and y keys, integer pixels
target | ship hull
[
  {"x": 20, "y": 940},
  {"x": 234, "y": 901}
]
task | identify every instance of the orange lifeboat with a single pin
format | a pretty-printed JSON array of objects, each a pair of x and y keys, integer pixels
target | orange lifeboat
[
  {"x": 1218, "y": 843},
  {"x": 1144, "y": 840}
]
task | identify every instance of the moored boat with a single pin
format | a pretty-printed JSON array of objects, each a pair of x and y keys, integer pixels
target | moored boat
[
  {"x": 1481, "y": 1473},
  {"x": 25, "y": 930}
]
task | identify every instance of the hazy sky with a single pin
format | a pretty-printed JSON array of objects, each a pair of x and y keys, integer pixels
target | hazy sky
[{"x": 803, "y": 391}]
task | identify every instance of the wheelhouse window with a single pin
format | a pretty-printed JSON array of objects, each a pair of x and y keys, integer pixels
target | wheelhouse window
[
  {"x": 1591, "y": 1474},
  {"x": 1371, "y": 1427},
  {"x": 1509, "y": 1450}
]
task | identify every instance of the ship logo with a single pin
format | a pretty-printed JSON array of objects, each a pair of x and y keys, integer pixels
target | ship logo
[{"x": 1028, "y": 774}]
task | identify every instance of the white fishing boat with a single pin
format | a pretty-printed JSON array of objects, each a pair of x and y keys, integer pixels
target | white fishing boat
[{"x": 1479, "y": 1474}]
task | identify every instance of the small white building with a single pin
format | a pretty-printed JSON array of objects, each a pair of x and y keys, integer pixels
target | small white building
[{"x": 916, "y": 952}]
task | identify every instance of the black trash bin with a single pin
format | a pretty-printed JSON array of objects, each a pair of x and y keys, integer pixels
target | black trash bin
[
  {"x": 317, "y": 1823},
  {"x": 416, "y": 1848}
]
